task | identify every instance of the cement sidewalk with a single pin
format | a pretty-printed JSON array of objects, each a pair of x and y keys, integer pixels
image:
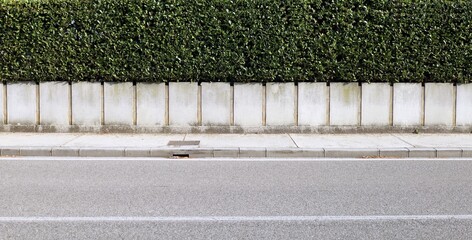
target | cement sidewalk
[{"x": 237, "y": 145}]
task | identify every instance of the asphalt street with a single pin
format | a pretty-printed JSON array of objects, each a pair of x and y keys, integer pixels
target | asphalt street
[{"x": 235, "y": 199}]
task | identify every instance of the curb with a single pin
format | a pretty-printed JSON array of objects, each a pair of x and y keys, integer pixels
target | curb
[{"x": 238, "y": 152}]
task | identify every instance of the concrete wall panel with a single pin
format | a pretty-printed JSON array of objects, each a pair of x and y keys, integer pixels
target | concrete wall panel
[
  {"x": 439, "y": 104},
  {"x": 216, "y": 103},
  {"x": 407, "y": 104},
  {"x": 280, "y": 104},
  {"x": 464, "y": 105},
  {"x": 2, "y": 102},
  {"x": 344, "y": 104},
  {"x": 183, "y": 103},
  {"x": 86, "y": 103},
  {"x": 118, "y": 103},
  {"x": 54, "y": 103},
  {"x": 313, "y": 103},
  {"x": 21, "y": 101},
  {"x": 151, "y": 103},
  {"x": 248, "y": 104},
  {"x": 376, "y": 104}
]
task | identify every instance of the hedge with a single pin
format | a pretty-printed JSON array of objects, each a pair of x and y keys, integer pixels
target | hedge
[{"x": 236, "y": 40}]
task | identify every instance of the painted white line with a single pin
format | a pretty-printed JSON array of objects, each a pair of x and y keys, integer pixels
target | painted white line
[
  {"x": 136, "y": 159},
  {"x": 242, "y": 218}
]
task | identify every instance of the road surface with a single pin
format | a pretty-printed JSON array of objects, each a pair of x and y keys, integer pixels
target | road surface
[{"x": 235, "y": 199}]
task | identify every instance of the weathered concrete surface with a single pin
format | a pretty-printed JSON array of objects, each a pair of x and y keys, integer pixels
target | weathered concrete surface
[
  {"x": 242, "y": 140},
  {"x": 295, "y": 153},
  {"x": 151, "y": 103},
  {"x": 65, "y": 152},
  {"x": 464, "y": 105},
  {"x": 183, "y": 103},
  {"x": 193, "y": 153},
  {"x": 238, "y": 145},
  {"x": 437, "y": 140},
  {"x": 101, "y": 152},
  {"x": 252, "y": 152},
  {"x": 376, "y": 104},
  {"x": 449, "y": 152},
  {"x": 313, "y": 103},
  {"x": 439, "y": 104},
  {"x": 422, "y": 152},
  {"x": 216, "y": 103},
  {"x": 123, "y": 140},
  {"x": 21, "y": 102},
  {"x": 280, "y": 108},
  {"x": 439, "y": 114},
  {"x": 226, "y": 152},
  {"x": 54, "y": 103},
  {"x": 86, "y": 103},
  {"x": 394, "y": 152},
  {"x": 138, "y": 152},
  {"x": 351, "y": 153},
  {"x": 10, "y": 151},
  {"x": 344, "y": 104},
  {"x": 119, "y": 99},
  {"x": 347, "y": 140},
  {"x": 35, "y": 151},
  {"x": 248, "y": 104},
  {"x": 407, "y": 104},
  {"x": 2, "y": 107}
]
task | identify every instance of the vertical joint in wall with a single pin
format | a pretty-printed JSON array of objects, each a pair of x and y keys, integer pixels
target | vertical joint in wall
[
  {"x": 135, "y": 103},
  {"x": 38, "y": 104},
  {"x": 166, "y": 92},
  {"x": 102, "y": 103},
  {"x": 295, "y": 114},
  {"x": 390, "y": 116},
  {"x": 328, "y": 103},
  {"x": 231, "y": 106},
  {"x": 264, "y": 104},
  {"x": 423, "y": 104},
  {"x": 359, "y": 113},
  {"x": 454, "y": 107},
  {"x": 5, "y": 103},
  {"x": 199, "y": 104},
  {"x": 70, "y": 103}
]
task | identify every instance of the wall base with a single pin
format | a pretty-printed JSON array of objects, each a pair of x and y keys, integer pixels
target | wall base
[{"x": 234, "y": 129}]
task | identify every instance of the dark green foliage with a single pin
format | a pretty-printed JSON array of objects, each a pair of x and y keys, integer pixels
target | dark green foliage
[{"x": 236, "y": 40}]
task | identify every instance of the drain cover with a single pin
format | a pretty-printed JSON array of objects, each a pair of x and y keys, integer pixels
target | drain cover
[{"x": 183, "y": 143}]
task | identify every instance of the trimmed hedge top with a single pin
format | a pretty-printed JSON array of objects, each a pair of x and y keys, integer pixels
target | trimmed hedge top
[{"x": 236, "y": 40}]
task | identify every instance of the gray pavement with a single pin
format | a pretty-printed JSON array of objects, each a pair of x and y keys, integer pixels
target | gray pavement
[
  {"x": 236, "y": 145},
  {"x": 78, "y": 198}
]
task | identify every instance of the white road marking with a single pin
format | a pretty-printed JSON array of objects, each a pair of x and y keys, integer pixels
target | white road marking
[
  {"x": 230, "y": 159},
  {"x": 241, "y": 218}
]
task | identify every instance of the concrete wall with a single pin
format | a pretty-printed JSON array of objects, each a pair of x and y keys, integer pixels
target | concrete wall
[
  {"x": 248, "y": 104},
  {"x": 119, "y": 103},
  {"x": 183, "y": 104},
  {"x": 216, "y": 104},
  {"x": 439, "y": 104},
  {"x": 313, "y": 104},
  {"x": 280, "y": 106},
  {"x": 408, "y": 101},
  {"x": 376, "y": 104},
  {"x": 54, "y": 103},
  {"x": 345, "y": 103},
  {"x": 151, "y": 104},
  {"x": 86, "y": 103},
  {"x": 244, "y": 105},
  {"x": 464, "y": 105},
  {"x": 3, "y": 107},
  {"x": 22, "y": 103}
]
